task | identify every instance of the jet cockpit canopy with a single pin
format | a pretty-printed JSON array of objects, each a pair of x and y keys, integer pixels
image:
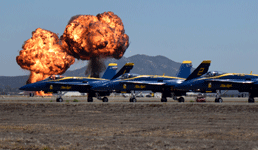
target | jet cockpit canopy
[
  {"x": 54, "y": 77},
  {"x": 213, "y": 73},
  {"x": 128, "y": 75}
]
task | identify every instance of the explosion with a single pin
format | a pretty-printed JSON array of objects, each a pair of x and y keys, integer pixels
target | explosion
[
  {"x": 94, "y": 38},
  {"x": 43, "y": 56},
  {"x": 86, "y": 37}
]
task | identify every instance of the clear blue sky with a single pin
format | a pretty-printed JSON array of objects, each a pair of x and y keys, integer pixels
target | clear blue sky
[{"x": 224, "y": 31}]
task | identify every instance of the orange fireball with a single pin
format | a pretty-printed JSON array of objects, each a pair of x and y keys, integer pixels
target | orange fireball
[
  {"x": 88, "y": 36},
  {"x": 43, "y": 56},
  {"x": 94, "y": 38}
]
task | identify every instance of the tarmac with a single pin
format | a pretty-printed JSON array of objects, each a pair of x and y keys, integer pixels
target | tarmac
[{"x": 117, "y": 99}]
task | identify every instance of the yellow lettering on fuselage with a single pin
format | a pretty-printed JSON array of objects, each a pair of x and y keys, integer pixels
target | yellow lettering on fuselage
[
  {"x": 226, "y": 85},
  {"x": 66, "y": 87},
  {"x": 140, "y": 86},
  {"x": 209, "y": 85}
]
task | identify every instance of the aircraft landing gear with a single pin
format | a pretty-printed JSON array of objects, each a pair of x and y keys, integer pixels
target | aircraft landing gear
[
  {"x": 218, "y": 98},
  {"x": 181, "y": 99},
  {"x": 164, "y": 99},
  {"x": 133, "y": 99},
  {"x": 105, "y": 99},
  {"x": 90, "y": 99},
  {"x": 251, "y": 98},
  {"x": 31, "y": 94},
  {"x": 59, "y": 99},
  {"x": 90, "y": 96}
]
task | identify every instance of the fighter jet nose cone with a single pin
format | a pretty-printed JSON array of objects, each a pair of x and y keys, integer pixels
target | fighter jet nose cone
[
  {"x": 23, "y": 87},
  {"x": 38, "y": 86}
]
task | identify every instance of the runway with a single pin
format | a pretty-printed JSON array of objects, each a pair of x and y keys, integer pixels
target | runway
[{"x": 115, "y": 100}]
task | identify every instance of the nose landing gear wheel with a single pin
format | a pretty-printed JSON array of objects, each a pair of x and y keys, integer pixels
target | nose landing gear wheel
[
  {"x": 250, "y": 100},
  {"x": 105, "y": 99},
  {"x": 133, "y": 100},
  {"x": 181, "y": 99},
  {"x": 164, "y": 99},
  {"x": 90, "y": 99},
  {"x": 31, "y": 94},
  {"x": 59, "y": 100},
  {"x": 218, "y": 100}
]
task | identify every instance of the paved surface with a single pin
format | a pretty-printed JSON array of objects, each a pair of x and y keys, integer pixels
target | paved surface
[{"x": 35, "y": 99}]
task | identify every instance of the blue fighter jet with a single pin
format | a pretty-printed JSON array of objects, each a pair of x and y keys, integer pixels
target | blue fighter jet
[
  {"x": 108, "y": 74},
  {"x": 110, "y": 71},
  {"x": 58, "y": 83},
  {"x": 167, "y": 85},
  {"x": 185, "y": 69},
  {"x": 95, "y": 87},
  {"x": 215, "y": 81}
]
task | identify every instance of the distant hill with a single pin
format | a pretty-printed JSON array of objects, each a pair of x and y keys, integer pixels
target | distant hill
[
  {"x": 143, "y": 64},
  {"x": 11, "y": 83}
]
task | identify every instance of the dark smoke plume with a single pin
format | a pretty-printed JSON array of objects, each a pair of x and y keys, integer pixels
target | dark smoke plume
[{"x": 95, "y": 66}]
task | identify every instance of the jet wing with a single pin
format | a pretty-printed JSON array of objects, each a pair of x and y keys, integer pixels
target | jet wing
[
  {"x": 56, "y": 86},
  {"x": 143, "y": 82},
  {"x": 70, "y": 86},
  {"x": 231, "y": 81},
  {"x": 71, "y": 83}
]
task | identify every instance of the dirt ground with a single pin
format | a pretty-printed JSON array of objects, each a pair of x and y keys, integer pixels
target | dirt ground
[{"x": 128, "y": 126}]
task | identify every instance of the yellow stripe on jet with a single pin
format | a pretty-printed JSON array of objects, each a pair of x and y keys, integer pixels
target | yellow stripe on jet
[
  {"x": 187, "y": 62},
  {"x": 112, "y": 64},
  {"x": 129, "y": 64},
  {"x": 153, "y": 76},
  {"x": 206, "y": 61},
  {"x": 65, "y": 78},
  {"x": 227, "y": 74}
]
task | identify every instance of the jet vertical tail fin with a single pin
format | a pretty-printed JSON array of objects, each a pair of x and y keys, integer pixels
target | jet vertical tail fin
[
  {"x": 185, "y": 69},
  {"x": 200, "y": 70},
  {"x": 110, "y": 71},
  {"x": 126, "y": 69}
]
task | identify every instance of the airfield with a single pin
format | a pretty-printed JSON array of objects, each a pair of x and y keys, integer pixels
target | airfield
[
  {"x": 113, "y": 99},
  {"x": 42, "y": 123}
]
